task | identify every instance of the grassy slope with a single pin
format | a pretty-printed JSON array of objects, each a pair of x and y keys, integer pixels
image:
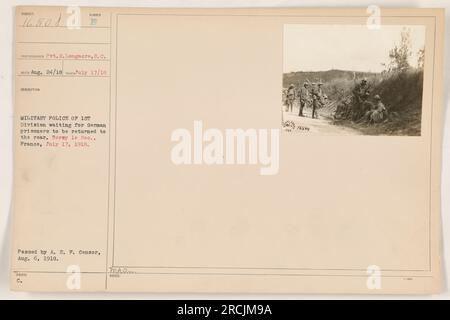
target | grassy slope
[{"x": 402, "y": 96}]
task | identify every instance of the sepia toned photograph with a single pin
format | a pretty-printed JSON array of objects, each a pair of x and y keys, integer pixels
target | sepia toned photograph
[{"x": 352, "y": 79}]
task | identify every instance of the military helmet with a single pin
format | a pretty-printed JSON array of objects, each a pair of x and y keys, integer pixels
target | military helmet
[{"x": 377, "y": 97}]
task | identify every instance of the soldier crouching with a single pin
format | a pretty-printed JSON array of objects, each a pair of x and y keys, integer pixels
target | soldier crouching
[{"x": 378, "y": 113}]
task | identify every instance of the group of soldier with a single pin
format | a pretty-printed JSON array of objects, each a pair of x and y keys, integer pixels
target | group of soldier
[
  {"x": 359, "y": 108},
  {"x": 310, "y": 94}
]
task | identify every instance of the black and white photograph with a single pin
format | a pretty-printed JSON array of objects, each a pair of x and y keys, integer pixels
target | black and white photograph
[{"x": 353, "y": 79}]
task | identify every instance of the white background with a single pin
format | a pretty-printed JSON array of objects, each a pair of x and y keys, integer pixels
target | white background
[{"x": 6, "y": 112}]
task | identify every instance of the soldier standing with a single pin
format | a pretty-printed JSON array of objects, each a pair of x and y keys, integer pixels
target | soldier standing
[
  {"x": 360, "y": 94},
  {"x": 290, "y": 97},
  {"x": 303, "y": 97},
  {"x": 316, "y": 93}
]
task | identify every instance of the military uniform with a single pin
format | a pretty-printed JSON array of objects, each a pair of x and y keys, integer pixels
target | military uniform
[
  {"x": 380, "y": 111},
  {"x": 290, "y": 97},
  {"x": 304, "y": 98},
  {"x": 360, "y": 94},
  {"x": 316, "y": 93},
  {"x": 377, "y": 113}
]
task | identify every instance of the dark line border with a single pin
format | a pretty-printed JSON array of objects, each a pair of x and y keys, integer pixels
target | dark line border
[
  {"x": 115, "y": 142},
  {"x": 109, "y": 154},
  {"x": 62, "y": 42},
  {"x": 312, "y": 269},
  {"x": 222, "y": 274}
]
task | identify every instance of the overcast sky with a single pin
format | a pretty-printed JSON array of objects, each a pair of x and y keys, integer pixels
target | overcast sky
[{"x": 345, "y": 47}]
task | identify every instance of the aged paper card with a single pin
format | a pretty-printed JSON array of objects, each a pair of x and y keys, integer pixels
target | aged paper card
[{"x": 227, "y": 150}]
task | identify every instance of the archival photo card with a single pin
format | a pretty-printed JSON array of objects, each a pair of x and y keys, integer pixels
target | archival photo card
[{"x": 149, "y": 153}]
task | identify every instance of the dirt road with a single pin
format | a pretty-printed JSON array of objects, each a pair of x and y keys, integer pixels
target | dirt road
[{"x": 322, "y": 125}]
